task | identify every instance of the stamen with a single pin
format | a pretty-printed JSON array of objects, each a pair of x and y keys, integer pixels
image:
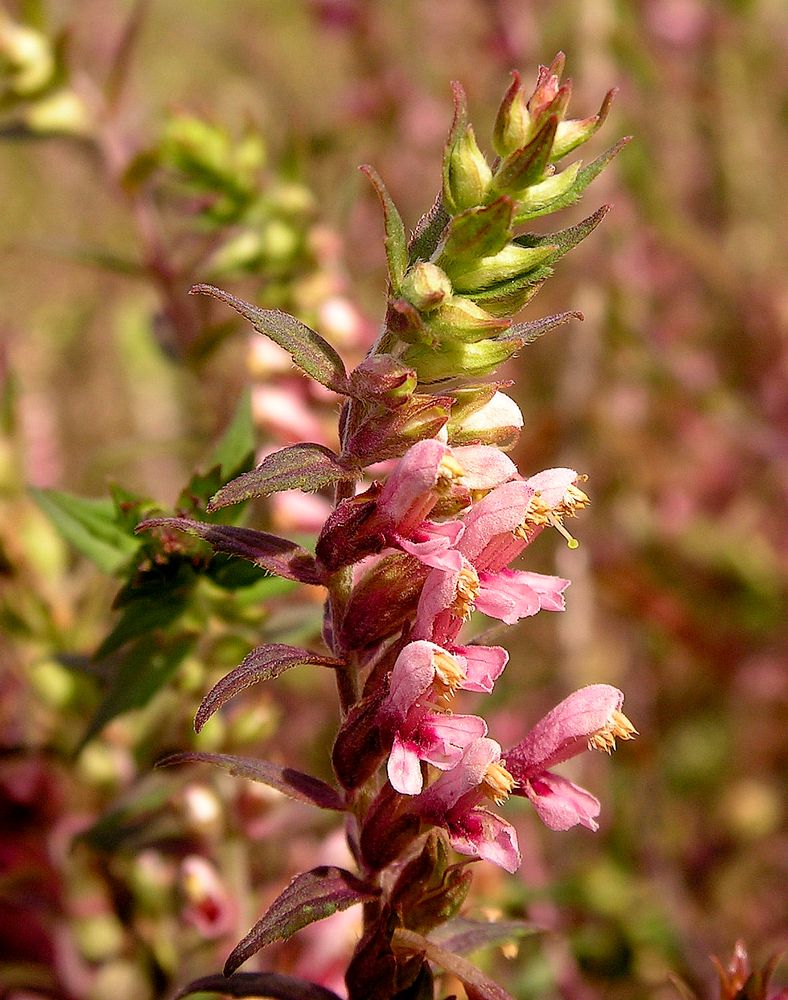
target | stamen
[
  {"x": 449, "y": 469},
  {"x": 448, "y": 672},
  {"x": 497, "y": 783},
  {"x": 618, "y": 727},
  {"x": 467, "y": 591},
  {"x": 557, "y": 523}
]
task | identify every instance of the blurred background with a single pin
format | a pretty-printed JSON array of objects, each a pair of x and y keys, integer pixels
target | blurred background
[{"x": 145, "y": 147}]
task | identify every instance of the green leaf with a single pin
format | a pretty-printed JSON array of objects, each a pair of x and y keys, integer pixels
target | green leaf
[
  {"x": 308, "y": 349},
  {"x": 566, "y": 239},
  {"x": 90, "y": 526},
  {"x": 145, "y": 668},
  {"x": 310, "y": 896},
  {"x": 234, "y": 452},
  {"x": 396, "y": 241},
  {"x": 143, "y": 615}
]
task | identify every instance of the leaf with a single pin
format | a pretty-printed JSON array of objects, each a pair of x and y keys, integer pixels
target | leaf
[
  {"x": 308, "y": 349},
  {"x": 277, "y": 555},
  {"x": 580, "y": 183},
  {"x": 565, "y": 240},
  {"x": 478, "y": 232},
  {"x": 90, "y": 526},
  {"x": 310, "y": 896},
  {"x": 427, "y": 235},
  {"x": 233, "y": 452},
  {"x": 307, "y": 467},
  {"x": 290, "y": 782},
  {"x": 145, "y": 614},
  {"x": 475, "y": 981},
  {"x": 263, "y": 664},
  {"x": 396, "y": 241},
  {"x": 463, "y": 936},
  {"x": 141, "y": 673},
  {"x": 258, "y": 984},
  {"x": 526, "y": 333}
]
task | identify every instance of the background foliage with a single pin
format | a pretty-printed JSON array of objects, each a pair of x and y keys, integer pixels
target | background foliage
[{"x": 226, "y": 146}]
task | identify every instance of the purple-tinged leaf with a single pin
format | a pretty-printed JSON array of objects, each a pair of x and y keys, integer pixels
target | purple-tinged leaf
[
  {"x": 290, "y": 782},
  {"x": 477, "y": 985},
  {"x": 307, "y": 467},
  {"x": 263, "y": 664},
  {"x": 310, "y": 896},
  {"x": 308, "y": 349},
  {"x": 526, "y": 333},
  {"x": 277, "y": 555},
  {"x": 396, "y": 242},
  {"x": 377, "y": 440},
  {"x": 258, "y": 984},
  {"x": 464, "y": 936}
]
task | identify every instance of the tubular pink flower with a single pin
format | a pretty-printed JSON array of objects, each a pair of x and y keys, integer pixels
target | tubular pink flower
[
  {"x": 590, "y": 718},
  {"x": 425, "y": 675},
  {"x": 453, "y": 802}
]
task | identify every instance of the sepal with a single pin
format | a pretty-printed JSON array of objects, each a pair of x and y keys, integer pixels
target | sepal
[
  {"x": 383, "y": 601},
  {"x": 420, "y": 417},
  {"x": 396, "y": 242},
  {"x": 359, "y": 748},
  {"x": 527, "y": 165}
]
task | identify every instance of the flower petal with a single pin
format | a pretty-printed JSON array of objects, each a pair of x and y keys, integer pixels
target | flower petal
[
  {"x": 552, "y": 484},
  {"x": 483, "y": 834},
  {"x": 484, "y": 467},
  {"x": 412, "y": 674},
  {"x": 483, "y": 666},
  {"x": 560, "y": 803},
  {"x": 409, "y": 493},
  {"x": 404, "y": 768},
  {"x": 495, "y": 518}
]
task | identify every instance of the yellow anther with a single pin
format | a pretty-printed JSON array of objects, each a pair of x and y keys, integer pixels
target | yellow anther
[
  {"x": 448, "y": 672},
  {"x": 467, "y": 591},
  {"x": 618, "y": 727},
  {"x": 449, "y": 469},
  {"x": 574, "y": 499},
  {"x": 497, "y": 784}
]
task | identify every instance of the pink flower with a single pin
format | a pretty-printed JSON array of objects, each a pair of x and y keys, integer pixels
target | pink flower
[
  {"x": 454, "y": 802},
  {"x": 590, "y": 718},
  {"x": 427, "y": 471},
  {"x": 423, "y": 680}
]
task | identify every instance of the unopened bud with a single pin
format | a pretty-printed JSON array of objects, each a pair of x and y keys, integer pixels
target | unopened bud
[
  {"x": 467, "y": 174},
  {"x": 456, "y": 359},
  {"x": 498, "y": 422},
  {"x": 461, "y": 319},
  {"x": 426, "y": 286},
  {"x": 512, "y": 124},
  {"x": 511, "y": 262},
  {"x": 573, "y": 133},
  {"x": 539, "y": 196}
]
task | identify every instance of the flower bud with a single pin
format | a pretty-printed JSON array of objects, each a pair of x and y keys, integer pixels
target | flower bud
[
  {"x": 573, "y": 133},
  {"x": 512, "y": 123},
  {"x": 467, "y": 173},
  {"x": 498, "y": 423},
  {"x": 461, "y": 319},
  {"x": 511, "y": 262},
  {"x": 426, "y": 286},
  {"x": 28, "y": 57},
  {"x": 460, "y": 360},
  {"x": 537, "y": 197}
]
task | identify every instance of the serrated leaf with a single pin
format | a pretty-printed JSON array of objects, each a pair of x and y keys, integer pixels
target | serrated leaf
[
  {"x": 307, "y": 467},
  {"x": 584, "y": 177},
  {"x": 306, "y": 347},
  {"x": 310, "y": 896},
  {"x": 479, "y": 232},
  {"x": 258, "y": 984},
  {"x": 464, "y": 936},
  {"x": 91, "y": 526},
  {"x": 396, "y": 242},
  {"x": 277, "y": 555},
  {"x": 263, "y": 664},
  {"x": 477, "y": 984},
  {"x": 236, "y": 447},
  {"x": 144, "y": 669},
  {"x": 526, "y": 333},
  {"x": 287, "y": 780}
]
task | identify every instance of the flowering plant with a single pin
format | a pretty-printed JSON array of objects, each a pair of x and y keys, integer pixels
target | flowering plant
[{"x": 429, "y": 514}]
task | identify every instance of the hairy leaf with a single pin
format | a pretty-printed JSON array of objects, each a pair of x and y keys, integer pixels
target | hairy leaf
[
  {"x": 310, "y": 896},
  {"x": 308, "y": 349},
  {"x": 395, "y": 242},
  {"x": 566, "y": 239},
  {"x": 263, "y": 664},
  {"x": 307, "y": 467},
  {"x": 526, "y": 333},
  {"x": 91, "y": 526},
  {"x": 475, "y": 981},
  {"x": 295, "y": 784},
  {"x": 277, "y": 555},
  {"x": 428, "y": 232},
  {"x": 463, "y": 936},
  {"x": 258, "y": 984}
]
